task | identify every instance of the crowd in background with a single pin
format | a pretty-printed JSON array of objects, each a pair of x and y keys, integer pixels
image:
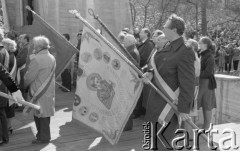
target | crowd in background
[{"x": 227, "y": 41}]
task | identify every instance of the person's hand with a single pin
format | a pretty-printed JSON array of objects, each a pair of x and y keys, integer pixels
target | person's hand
[
  {"x": 147, "y": 77},
  {"x": 17, "y": 96},
  {"x": 184, "y": 116},
  {"x": 175, "y": 102}
]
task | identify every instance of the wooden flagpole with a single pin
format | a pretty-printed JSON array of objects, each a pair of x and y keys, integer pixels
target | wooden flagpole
[
  {"x": 23, "y": 102},
  {"x": 63, "y": 87},
  {"x": 140, "y": 73},
  {"x": 91, "y": 12}
]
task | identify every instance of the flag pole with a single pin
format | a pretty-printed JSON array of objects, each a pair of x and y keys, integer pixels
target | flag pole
[
  {"x": 23, "y": 102},
  {"x": 91, "y": 12},
  {"x": 62, "y": 86},
  {"x": 140, "y": 73}
]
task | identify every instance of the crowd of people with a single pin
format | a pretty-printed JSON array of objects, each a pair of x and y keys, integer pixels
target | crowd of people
[
  {"x": 30, "y": 76},
  {"x": 181, "y": 67},
  {"x": 228, "y": 48},
  {"x": 227, "y": 41}
]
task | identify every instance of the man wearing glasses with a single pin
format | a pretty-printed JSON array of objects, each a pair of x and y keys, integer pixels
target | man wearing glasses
[{"x": 172, "y": 71}]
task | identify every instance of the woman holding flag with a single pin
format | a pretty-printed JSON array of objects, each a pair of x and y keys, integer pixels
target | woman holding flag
[{"x": 172, "y": 71}]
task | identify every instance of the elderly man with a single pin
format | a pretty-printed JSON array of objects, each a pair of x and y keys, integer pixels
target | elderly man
[
  {"x": 172, "y": 71},
  {"x": 40, "y": 78},
  {"x": 145, "y": 49},
  {"x": 160, "y": 41}
]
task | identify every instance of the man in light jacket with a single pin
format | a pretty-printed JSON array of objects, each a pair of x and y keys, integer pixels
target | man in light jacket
[{"x": 40, "y": 78}]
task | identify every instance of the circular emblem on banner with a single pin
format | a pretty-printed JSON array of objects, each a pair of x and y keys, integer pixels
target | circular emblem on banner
[
  {"x": 98, "y": 54},
  {"x": 93, "y": 117},
  {"x": 116, "y": 64},
  {"x": 86, "y": 57},
  {"x": 83, "y": 110},
  {"x": 80, "y": 72},
  {"x": 93, "y": 81},
  {"x": 106, "y": 57},
  {"x": 77, "y": 100}
]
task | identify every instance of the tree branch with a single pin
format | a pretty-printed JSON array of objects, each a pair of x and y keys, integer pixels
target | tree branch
[
  {"x": 176, "y": 6},
  {"x": 189, "y": 1},
  {"x": 164, "y": 8},
  {"x": 133, "y": 12},
  {"x": 230, "y": 20},
  {"x": 145, "y": 13}
]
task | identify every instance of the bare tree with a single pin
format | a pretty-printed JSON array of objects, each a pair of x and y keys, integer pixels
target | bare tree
[
  {"x": 146, "y": 5},
  {"x": 204, "y": 16},
  {"x": 133, "y": 12}
]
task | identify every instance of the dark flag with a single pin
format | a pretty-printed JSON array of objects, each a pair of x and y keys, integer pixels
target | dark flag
[{"x": 61, "y": 48}]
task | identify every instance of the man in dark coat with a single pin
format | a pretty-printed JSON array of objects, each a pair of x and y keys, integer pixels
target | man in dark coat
[
  {"x": 66, "y": 74},
  {"x": 146, "y": 46},
  {"x": 175, "y": 64},
  {"x": 16, "y": 93},
  {"x": 21, "y": 60},
  {"x": 145, "y": 49}
]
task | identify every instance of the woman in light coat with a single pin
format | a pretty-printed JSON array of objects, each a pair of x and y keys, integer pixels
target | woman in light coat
[{"x": 40, "y": 78}]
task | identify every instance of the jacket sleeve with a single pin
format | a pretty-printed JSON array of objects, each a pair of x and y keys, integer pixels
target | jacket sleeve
[
  {"x": 32, "y": 72},
  {"x": 209, "y": 70},
  {"x": 186, "y": 78},
  {"x": 7, "y": 80}
]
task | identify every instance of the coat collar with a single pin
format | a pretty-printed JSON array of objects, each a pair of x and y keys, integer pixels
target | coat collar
[
  {"x": 45, "y": 51},
  {"x": 176, "y": 43},
  {"x": 144, "y": 42}
]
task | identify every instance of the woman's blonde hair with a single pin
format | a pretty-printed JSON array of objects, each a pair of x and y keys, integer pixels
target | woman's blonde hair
[{"x": 7, "y": 42}]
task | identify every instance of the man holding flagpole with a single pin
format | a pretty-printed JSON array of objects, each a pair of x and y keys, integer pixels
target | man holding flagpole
[{"x": 172, "y": 71}]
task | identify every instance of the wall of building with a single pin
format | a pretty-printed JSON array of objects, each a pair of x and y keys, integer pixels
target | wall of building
[{"x": 114, "y": 13}]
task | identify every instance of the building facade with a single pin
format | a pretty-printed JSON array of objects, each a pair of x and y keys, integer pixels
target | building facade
[{"x": 114, "y": 13}]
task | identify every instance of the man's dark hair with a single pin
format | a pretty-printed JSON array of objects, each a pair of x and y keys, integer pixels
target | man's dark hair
[
  {"x": 177, "y": 23},
  {"x": 67, "y": 36},
  {"x": 147, "y": 31}
]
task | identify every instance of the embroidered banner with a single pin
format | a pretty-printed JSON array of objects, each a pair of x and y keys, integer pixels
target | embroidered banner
[{"x": 107, "y": 87}]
